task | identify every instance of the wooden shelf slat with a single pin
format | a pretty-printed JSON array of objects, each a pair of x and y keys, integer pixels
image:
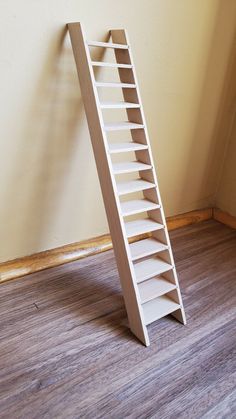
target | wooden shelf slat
[
  {"x": 113, "y": 65},
  {"x": 129, "y": 167},
  {"x": 107, "y": 45},
  {"x": 126, "y": 147},
  {"x": 146, "y": 225},
  {"x": 119, "y": 105},
  {"x": 116, "y": 85},
  {"x": 118, "y": 126},
  {"x": 158, "y": 308},
  {"x": 153, "y": 288},
  {"x": 146, "y": 247},
  {"x": 136, "y": 206},
  {"x": 150, "y": 267},
  {"x": 136, "y": 185}
]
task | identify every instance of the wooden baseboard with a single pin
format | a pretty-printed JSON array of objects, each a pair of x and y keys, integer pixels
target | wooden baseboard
[
  {"x": 188, "y": 218},
  {"x": 224, "y": 217},
  {"x": 53, "y": 257},
  {"x": 37, "y": 262}
]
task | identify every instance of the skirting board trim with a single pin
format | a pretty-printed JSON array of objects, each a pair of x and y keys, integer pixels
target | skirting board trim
[
  {"x": 224, "y": 218},
  {"x": 54, "y": 257}
]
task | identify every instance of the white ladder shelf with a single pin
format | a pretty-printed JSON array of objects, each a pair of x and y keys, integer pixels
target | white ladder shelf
[{"x": 146, "y": 267}]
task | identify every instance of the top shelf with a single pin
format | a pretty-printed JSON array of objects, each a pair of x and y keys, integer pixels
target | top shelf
[{"x": 106, "y": 45}]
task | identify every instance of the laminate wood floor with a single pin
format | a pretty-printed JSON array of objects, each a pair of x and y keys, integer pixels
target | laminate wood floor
[{"x": 66, "y": 351}]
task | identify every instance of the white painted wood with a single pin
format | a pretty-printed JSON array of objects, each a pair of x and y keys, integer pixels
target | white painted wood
[
  {"x": 134, "y": 228},
  {"x": 107, "y": 182},
  {"x": 120, "y": 36},
  {"x": 158, "y": 308},
  {"x": 119, "y": 126},
  {"x": 150, "y": 267},
  {"x": 112, "y": 65},
  {"x": 146, "y": 247},
  {"x": 154, "y": 287},
  {"x": 106, "y": 45},
  {"x": 135, "y": 185},
  {"x": 136, "y": 206},
  {"x": 119, "y": 105},
  {"x": 140, "y": 312},
  {"x": 129, "y": 167},
  {"x": 115, "y": 84},
  {"x": 126, "y": 147}
]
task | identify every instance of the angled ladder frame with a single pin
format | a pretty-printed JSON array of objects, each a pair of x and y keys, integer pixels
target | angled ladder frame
[{"x": 146, "y": 267}]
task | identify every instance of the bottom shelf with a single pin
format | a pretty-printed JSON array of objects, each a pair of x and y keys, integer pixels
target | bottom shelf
[{"x": 157, "y": 308}]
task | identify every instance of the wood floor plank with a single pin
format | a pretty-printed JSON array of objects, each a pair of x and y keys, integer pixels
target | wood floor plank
[{"x": 66, "y": 350}]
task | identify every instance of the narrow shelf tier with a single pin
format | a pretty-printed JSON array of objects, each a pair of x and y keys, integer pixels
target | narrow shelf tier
[
  {"x": 134, "y": 228},
  {"x": 136, "y": 185},
  {"x": 126, "y": 147},
  {"x": 117, "y": 85},
  {"x": 112, "y": 65},
  {"x": 119, "y": 105},
  {"x": 146, "y": 247},
  {"x": 136, "y": 206},
  {"x": 107, "y": 45},
  {"x": 153, "y": 288},
  {"x": 129, "y": 167},
  {"x": 119, "y": 126},
  {"x": 158, "y": 308},
  {"x": 150, "y": 267}
]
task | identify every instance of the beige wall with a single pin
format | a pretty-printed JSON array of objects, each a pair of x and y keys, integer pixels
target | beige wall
[
  {"x": 226, "y": 193},
  {"x": 49, "y": 193},
  {"x": 226, "y": 190}
]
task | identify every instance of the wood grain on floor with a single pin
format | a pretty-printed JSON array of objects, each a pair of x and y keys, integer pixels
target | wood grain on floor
[{"x": 66, "y": 351}]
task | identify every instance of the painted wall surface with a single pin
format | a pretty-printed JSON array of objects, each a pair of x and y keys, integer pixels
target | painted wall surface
[
  {"x": 226, "y": 194},
  {"x": 226, "y": 190},
  {"x": 49, "y": 190}
]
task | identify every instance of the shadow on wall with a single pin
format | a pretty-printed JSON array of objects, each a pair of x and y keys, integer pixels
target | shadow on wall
[
  {"x": 54, "y": 153},
  {"x": 45, "y": 153},
  {"x": 215, "y": 114}
]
